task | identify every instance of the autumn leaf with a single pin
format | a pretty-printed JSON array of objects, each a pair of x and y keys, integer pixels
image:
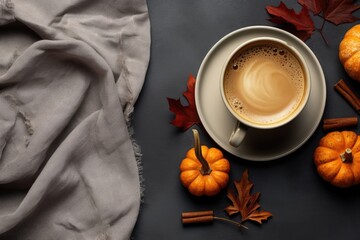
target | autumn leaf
[
  {"x": 334, "y": 11},
  {"x": 340, "y": 11},
  {"x": 185, "y": 116},
  {"x": 244, "y": 202},
  {"x": 300, "y": 24},
  {"x": 316, "y": 6}
]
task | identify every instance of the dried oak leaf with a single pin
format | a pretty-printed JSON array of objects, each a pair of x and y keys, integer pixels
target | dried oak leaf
[
  {"x": 300, "y": 24},
  {"x": 244, "y": 202},
  {"x": 185, "y": 116}
]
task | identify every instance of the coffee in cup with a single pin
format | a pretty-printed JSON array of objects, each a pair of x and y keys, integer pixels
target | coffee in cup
[{"x": 265, "y": 83}]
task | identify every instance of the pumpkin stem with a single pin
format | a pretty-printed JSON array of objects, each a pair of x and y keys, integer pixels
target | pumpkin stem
[
  {"x": 347, "y": 156},
  {"x": 205, "y": 168}
]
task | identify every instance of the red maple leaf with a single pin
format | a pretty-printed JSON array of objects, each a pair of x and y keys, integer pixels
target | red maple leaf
[
  {"x": 340, "y": 11},
  {"x": 334, "y": 11},
  {"x": 316, "y": 6},
  {"x": 300, "y": 24},
  {"x": 185, "y": 116}
]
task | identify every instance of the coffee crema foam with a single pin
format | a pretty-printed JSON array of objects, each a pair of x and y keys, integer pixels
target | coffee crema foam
[{"x": 264, "y": 83}]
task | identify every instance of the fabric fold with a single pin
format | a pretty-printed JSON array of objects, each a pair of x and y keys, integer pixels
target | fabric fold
[
  {"x": 69, "y": 166},
  {"x": 6, "y": 12}
]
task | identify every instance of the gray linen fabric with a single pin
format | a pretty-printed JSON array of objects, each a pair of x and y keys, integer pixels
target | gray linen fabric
[{"x": 70, "y": 74}]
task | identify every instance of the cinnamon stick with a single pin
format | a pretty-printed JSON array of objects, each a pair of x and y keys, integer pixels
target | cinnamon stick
[
  {"x": 345, "y": 91},
  {"x": 201, "y": 219},
  {"x": 197, "y": 217},
  {"x": 197, "y": 214},
  {"x": 338, "y": 123},
  {"x": 205, "y": 217}
]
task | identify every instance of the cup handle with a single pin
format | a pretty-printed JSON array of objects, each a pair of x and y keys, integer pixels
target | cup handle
[{"x": 237, "y": 134}]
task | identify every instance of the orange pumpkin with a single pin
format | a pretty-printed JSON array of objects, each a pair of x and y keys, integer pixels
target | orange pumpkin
[
  {"x": 349, "y": 52},
  {"x": 204, "y": 171},
  {"x": 337, "y": 158}
]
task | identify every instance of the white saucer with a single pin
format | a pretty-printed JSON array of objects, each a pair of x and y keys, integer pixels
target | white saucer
[{"x": 258, "y": 145}]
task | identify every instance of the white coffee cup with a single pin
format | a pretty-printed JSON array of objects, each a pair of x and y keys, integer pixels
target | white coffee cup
[{"x": 265, "y": 84}]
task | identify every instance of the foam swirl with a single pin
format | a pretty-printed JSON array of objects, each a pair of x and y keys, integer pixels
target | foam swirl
[
  {"x": 264, "y": 84},
  {"x": 265, "y": 87}
]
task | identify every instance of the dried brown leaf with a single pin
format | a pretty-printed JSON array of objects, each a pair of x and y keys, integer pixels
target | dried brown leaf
[{"x": 244, "y": 202}]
